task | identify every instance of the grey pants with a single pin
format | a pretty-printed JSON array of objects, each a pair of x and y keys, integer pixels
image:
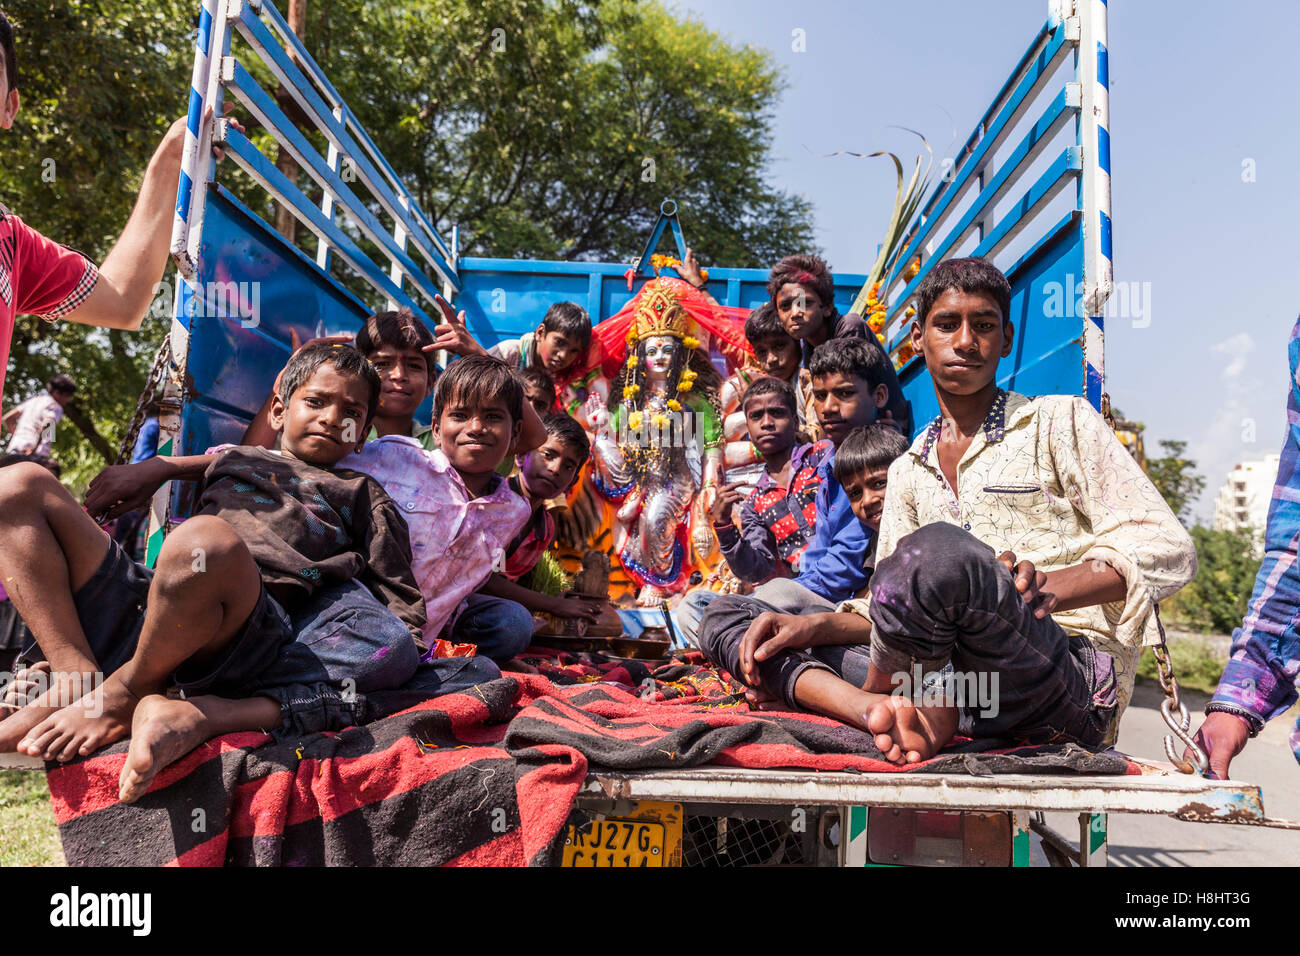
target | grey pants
[{"x": 728, "y": 616}]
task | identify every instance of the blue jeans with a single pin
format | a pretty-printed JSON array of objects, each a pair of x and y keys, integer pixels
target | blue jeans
[
  {"x": 689, "y": 611},
  {"x": 502, "y": 629},
  {"x": 346, "y": 646}
]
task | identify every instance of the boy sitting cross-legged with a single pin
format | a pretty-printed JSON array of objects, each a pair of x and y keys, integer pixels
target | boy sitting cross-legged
[
  {"x": 771, "y": 651},
  {"x": 545, "y": 473},
  {"x": 286, "y": 554},
  {"x": 777, "y": 520}
]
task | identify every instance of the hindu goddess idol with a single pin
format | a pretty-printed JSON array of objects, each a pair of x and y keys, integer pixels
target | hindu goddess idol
[{"x": 658, "y": 445}]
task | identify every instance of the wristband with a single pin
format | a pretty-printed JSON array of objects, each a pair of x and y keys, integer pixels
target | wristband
[{"x": 1252, "y": 722}]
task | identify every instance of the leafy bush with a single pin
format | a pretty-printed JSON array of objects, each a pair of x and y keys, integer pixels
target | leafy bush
[{"x": 1216, "y": 600}]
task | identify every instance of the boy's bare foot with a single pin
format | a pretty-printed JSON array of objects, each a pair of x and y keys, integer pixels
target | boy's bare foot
[
  {"x": 99, "y": 718},
  {"x": 60, "y": 689},
  {"x": 162, "y": 731},
  {"x": 906, "y": 733}
]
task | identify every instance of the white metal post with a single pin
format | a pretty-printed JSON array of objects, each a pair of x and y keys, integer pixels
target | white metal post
[{"x": 1094, "y": 137}]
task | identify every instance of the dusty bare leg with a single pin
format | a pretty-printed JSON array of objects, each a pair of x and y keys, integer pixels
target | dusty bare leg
[
  {"x": 195, "y": 607},
  {"x": 49, "y": 548},
  {"x": 163, "y": 731}
]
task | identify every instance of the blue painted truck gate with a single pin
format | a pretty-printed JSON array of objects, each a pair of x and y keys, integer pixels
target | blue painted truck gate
[{"x": 366, "y": 244}]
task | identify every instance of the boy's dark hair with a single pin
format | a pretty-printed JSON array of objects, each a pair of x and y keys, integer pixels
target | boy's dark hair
[
  {"x": 771, "y": 385},
  {"x": 7, "y": 48},
  {"x": 346, "y": 360},
  {"x": 475, "y": 379},
  {"x": 61, "y": 384},
  {"x": 804, "y": 269},
  {"x": 765, "y": 323},
  {"x": 866, "y": 449},
  {"x": 972, "y": 275},
  {"x": 539, "y": 378},
  {"x": 400, "y": 329},
  {"x": 568, "y": 431},
  {"x": 570, "y": 320},
  {"x": 850, "y": 357}
]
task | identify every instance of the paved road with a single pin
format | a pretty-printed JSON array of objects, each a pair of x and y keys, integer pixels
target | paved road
[{"x": 1155, "y": 840}]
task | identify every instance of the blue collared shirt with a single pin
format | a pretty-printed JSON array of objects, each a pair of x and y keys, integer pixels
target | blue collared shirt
[{"x": 833, "y": 564}]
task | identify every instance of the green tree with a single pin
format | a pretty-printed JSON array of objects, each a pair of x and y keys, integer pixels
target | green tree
[
  {"x": 542, "y": 128},
  {"x": 1176, "y": 479},
  {"x": 99, "y": 84},
  {"x": 554, "y": 129},
  {"x": 1227, "y": 562}
]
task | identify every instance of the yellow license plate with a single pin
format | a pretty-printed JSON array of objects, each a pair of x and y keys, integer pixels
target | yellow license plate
[
  {"x": 649, "y": 835},
  {"x": 615, "y": 843}
]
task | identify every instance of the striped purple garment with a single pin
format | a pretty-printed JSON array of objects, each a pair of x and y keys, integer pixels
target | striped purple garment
[{"x": 1261, "y": 674}]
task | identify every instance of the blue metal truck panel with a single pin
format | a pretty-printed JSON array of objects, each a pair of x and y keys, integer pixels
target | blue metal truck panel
[{"x": 997, "y": 199}]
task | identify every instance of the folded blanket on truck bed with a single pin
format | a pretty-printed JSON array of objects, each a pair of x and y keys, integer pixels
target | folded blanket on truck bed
[{"x": 487, "y": 776}]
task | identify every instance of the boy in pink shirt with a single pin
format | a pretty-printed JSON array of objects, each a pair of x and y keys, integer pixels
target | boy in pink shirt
[{"x": 460, "y": 512}]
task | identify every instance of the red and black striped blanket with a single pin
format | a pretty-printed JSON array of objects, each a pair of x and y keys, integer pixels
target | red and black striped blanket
[{"x": 487, "y": 776}]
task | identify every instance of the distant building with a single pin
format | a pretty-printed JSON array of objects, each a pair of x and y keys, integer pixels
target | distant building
[{"x": 1244, "y": 498}]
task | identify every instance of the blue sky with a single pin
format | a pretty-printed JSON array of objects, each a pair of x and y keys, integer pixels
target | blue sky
[{"x": 1197, "y": 89}]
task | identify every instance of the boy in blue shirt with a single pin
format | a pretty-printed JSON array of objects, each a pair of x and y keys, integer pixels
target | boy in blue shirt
[
  {"x": 734, "y": 626},
  {"x": 848, "y": 392}
]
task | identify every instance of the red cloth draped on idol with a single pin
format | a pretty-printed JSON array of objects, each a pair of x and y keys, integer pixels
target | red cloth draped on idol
[{"x": 658, "y": 438}]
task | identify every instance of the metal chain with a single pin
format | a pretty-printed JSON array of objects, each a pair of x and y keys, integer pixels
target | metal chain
[
  {"x": 157, "y": 374},
  {"x": 1106, "y": 413},
  {"x": 1182, "y": 724}
]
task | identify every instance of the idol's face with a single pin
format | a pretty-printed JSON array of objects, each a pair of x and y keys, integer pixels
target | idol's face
[{"x": 659, "y": 353}]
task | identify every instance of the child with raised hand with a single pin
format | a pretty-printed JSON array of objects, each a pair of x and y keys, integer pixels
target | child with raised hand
[
  {"x": 284, "y": 549},
  {"x": 557, "y": 347},
  {"x": 544, "y": 473},
  {"x": 779, "y": 517}
]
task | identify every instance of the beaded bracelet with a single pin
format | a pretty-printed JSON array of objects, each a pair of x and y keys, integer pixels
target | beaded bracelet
[{"x": 1253, "y": 722}]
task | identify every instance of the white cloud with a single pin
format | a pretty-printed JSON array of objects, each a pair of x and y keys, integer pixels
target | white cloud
[{"x": 1238, "y": 348}]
